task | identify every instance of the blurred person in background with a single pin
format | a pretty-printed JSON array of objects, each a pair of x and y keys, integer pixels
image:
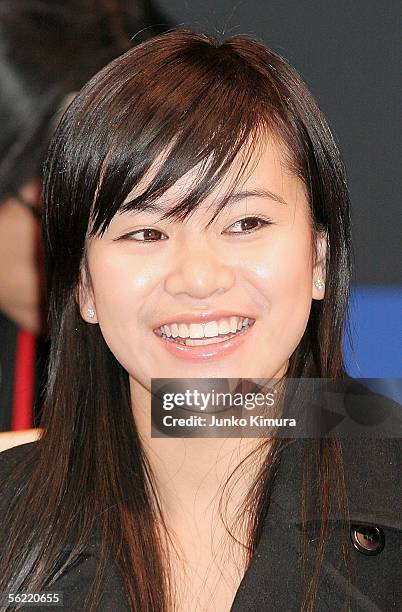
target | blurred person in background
[{"x": 48, "y": 50}]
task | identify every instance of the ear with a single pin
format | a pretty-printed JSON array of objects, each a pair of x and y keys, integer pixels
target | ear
[
  {"x": 85, "y": 299},
  {"x": 319, "y": 267}
]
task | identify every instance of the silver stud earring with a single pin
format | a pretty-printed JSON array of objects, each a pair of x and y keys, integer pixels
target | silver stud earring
[
  {"x": 90, "y": 313},
  {"x": 319, "y": 284}
]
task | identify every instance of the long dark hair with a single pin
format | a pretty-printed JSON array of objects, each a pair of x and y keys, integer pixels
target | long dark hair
[
  {"x": 199, "y": 102},
  {"x": 49, "y": 49}
]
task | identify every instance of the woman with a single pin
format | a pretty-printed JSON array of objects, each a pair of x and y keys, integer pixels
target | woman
[
  {"x": 48, "y": 50},
  {"x": 191, "y": 182}
]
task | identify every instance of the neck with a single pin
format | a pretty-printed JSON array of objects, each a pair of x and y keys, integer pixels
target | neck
[{"x": 190, "y": 473}]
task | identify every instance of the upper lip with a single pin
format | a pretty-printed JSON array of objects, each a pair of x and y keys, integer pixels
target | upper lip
[{"x": 202, "y": 317}]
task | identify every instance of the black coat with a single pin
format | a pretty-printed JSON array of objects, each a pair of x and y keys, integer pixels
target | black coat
[{"x": 273, "y": 581}]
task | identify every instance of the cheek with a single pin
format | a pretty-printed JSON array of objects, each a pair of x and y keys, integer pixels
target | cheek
[
  {"x": 118, "y": 290},
  {"x": 292, "y": 299},
  {"x": 118, "y": 283},
  {"x": 283, "y": 280},
  {"x": 292, "y": 271},
  {"x": 118, "y": 294},
  {"x": 283, "y": 266}
]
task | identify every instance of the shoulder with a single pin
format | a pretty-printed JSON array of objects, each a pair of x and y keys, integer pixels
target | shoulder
[
  {"x": 367, "y": 430},
  {"x": 370, "y": 435},
  {"x": 348, "y": 408},
  {"x": 372, "y": 470},
  {"x": 12, "y": 457},
  {"x": 373, "y": 457},
  {"x": 372, "y": 409},
  {"x": 372, "y": 535}
]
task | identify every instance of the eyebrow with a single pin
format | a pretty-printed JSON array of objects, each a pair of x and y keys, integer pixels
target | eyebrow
[
  {"x": 230, "y": 200},
  {"x": 261, "y": 192}
]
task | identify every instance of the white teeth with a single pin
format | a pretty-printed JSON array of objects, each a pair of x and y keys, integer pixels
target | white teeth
[
  {"x": 196, "y": 330},
  {"x": 224, "y": 327},
  {"x": 233, "y": 324},
  {"x": 183, "y": 330},
  {"x": 174, "y": 329},
  {"x": 212, "y": 329}
]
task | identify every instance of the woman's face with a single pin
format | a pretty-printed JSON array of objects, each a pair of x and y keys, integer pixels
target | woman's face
[{"x": 174, "y": 273}]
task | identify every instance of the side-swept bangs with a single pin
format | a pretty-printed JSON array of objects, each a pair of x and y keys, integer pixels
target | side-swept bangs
[{"x": 188, "y": 101}]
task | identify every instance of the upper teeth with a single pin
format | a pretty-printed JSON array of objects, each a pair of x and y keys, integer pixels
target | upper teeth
[{"x": 205, "y": 330}]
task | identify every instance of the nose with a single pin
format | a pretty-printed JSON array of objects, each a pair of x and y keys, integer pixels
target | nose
[{"x": 200, "y": 274}]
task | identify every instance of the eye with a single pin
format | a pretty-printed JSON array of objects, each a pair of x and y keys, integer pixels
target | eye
[
  {"x": 247, "y": 224},
  {"x": 149, "y": 235}
]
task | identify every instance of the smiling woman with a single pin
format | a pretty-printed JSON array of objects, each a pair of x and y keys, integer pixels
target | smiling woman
[{"x": 196, "y": 224}]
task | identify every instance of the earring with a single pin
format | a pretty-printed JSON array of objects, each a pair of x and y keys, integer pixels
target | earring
[
  {"x": 90, "y": 313},
  {"x": 319, "y": 284}
]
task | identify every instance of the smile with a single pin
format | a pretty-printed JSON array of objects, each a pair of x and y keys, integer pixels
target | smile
[
  {"x": 196, "y": 334},
  {"x": 213, "y": 339}
]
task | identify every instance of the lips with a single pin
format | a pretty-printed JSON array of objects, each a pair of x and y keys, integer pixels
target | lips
[{"x": 207, "y": 352}]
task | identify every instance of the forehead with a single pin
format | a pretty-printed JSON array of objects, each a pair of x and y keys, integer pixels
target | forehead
[{"x": 262, "y": 168}]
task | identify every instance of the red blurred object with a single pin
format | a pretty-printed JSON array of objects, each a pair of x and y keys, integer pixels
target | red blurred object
[{"x": 22, "y": 416}]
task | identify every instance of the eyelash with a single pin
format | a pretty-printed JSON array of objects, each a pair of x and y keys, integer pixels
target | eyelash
[{"x": 263, "y": 223}]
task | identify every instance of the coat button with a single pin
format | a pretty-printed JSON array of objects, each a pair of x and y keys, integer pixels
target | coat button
[{"x": 368, "y": 539}]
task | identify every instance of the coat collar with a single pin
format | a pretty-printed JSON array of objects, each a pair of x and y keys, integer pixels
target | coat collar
[{"x": 372, "y": 467}]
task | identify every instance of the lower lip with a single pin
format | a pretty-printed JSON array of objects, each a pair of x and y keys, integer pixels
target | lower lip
[{"x": 207, "y": 351}]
